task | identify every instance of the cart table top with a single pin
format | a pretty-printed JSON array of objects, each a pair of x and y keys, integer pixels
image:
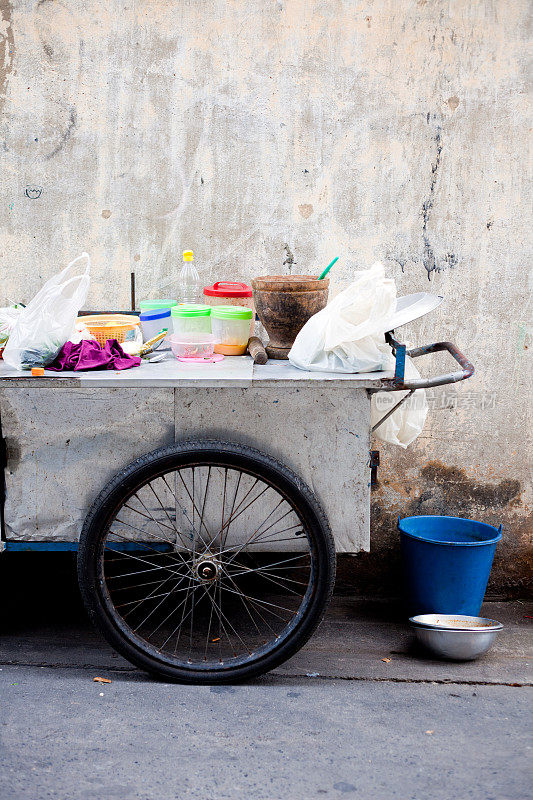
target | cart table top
[{"x": 235, "y": 371}]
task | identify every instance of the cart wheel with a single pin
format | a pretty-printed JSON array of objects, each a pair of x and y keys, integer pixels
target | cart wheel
[{"x": 206, "y": 562}]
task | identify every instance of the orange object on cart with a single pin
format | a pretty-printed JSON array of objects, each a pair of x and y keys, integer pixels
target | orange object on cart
[{"x": 109, "y": 326}]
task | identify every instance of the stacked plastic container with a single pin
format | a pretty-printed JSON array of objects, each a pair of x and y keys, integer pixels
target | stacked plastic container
[
  {"x": 191, "y": 318},
  {"x": 227, "y": 318},
  {"x": 155, "y": 315},
  {"x": 231, "y": 328},
  {"x": 229, "y": 293}
]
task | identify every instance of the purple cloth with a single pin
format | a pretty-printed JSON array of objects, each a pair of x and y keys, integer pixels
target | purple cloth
[{"x": 88, "y": 354}]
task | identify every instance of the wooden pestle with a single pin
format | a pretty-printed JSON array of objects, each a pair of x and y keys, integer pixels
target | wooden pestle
[{"x": 257, "y": 350}]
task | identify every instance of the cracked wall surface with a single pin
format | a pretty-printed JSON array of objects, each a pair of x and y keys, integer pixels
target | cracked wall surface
[{"x": 271, "y": 135}]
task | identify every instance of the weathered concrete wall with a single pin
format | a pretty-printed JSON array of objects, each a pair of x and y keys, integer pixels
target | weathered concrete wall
[{"x": 391, "y": 129}]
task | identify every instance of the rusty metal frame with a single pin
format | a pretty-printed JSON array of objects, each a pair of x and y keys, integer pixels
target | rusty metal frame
[
  {"x": 392, "y": 410},
  {"x": 398, "y": 383}
]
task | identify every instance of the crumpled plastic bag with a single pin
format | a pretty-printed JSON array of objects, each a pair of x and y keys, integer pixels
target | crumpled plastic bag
[
  {"x": 406, "y": 423},
  {"x": 49, "y": 319},
  {"x": 8, "y": 317},
  {"x": 349, "y": 336},
  {"x": 81, "y": 333}
]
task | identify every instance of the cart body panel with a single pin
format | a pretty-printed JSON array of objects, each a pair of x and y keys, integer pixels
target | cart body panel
[{"x": 67, "y": 435}]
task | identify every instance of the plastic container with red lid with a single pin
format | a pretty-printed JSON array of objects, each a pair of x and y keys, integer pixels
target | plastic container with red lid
[
  {"x": 231, "y": 293},
  {"x": 227, "y": 289}
]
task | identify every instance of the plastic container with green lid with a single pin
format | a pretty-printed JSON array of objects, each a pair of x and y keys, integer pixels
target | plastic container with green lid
[
  {"x": 190, "y": 318},
  {"x": 157, "y": 305},
  {"x": 231, "y": 293},
  {"x": 231, "y": 326}
]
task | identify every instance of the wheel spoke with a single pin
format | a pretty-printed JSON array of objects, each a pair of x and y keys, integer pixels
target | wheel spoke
[
  {"x": 191, "y": 498},
  {"x": 205, "y": 498},
  {"x": 266, "y": 576},
  {"x": 147, "y": 516},
  {"x": 157, "y": 523},
  {"x": 243, "y": 596},
  {"x": 137, "y": 572},
  {"x": 147, "y": 547},
  {"x": 184, "y": 510},
  {"x": 272, "y": 536},
  {"x": 209, "y": 629},
  {"x": 285, "y": 561},
  {"x": 174, "y": 527},
  {"x": 135, "y": 586},
  {"x": 219, "y": 610},
  {"x": 167, "y": 595},
  {"x": 151, "y": 596},
  {"x": 268, "y": 540},
  {"x": 251, "y": 538},
  {"x": 262, "y": 602},
  {"x": 143, "y": 560},
  {"x": 223, "y": 538},
  {"x": 246, "y": 507},
  {"x": 182, "y": 616},
  {"x": 172, "y": 612},
  {"x": 143, "y": 531}
]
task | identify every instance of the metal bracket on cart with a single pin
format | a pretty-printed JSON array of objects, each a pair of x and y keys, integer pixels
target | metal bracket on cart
[{"x": 398, "y": 383}]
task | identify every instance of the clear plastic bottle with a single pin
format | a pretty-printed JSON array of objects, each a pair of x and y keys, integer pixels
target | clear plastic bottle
[{"x": 189, "y": 279}]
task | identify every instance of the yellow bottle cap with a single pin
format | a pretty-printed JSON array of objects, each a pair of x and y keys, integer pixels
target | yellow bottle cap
[{"x": 188, "y": 255}]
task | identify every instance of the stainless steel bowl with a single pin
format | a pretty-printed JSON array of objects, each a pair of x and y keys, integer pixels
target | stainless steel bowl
[{"x": 455, "y": 636}]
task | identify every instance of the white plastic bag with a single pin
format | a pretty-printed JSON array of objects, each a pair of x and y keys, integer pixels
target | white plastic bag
[
  {"x": 8, "y": 317},
  {"x": 349, "y": 334},
  {"x": 47, "y": 322},
  {"x": 406, "y": 423},
  {"x": 81, "y": 332}
]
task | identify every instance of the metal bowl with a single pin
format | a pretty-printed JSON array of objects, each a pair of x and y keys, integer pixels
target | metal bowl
[{"x": 455, "y": 636}]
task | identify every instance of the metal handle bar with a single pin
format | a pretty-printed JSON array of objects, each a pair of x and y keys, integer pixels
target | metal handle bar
[{"x": 400, "y": 351}]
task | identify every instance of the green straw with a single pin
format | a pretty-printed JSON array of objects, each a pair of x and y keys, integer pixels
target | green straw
[{"x": 323, "y": 275}]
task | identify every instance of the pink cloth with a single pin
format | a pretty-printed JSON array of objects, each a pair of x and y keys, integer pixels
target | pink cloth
[{"x": 88, "y": 354}]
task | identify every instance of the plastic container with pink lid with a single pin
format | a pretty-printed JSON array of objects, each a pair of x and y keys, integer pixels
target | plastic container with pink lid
[{"x": 231, "y": 293}]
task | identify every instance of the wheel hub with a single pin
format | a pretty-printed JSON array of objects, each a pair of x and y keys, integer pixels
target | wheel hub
[{"x": 207, "y": 569}]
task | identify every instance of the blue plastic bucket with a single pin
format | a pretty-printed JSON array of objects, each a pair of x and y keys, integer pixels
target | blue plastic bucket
[{"x": 447, "y": 563}]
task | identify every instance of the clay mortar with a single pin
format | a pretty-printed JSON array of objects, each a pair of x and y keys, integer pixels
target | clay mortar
[{"x": 284, "y": 303}]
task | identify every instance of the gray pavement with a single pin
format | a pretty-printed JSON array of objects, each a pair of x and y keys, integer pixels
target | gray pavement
[
  {"x": 335, "y": 721},
  {"x": 64, "y": 736}
]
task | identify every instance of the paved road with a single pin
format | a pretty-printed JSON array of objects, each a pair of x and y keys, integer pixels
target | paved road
[
  {"x": 407, "y": 728},
  {"x": 64, "y": 736}
]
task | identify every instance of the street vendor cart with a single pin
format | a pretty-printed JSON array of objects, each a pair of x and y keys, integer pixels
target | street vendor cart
[{"x": 206, "y": 502}]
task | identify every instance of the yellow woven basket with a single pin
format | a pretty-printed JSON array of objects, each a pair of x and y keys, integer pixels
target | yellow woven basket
[{"x": 109, "y": 326}]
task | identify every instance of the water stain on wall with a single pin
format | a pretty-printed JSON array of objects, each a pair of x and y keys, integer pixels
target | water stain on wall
[
  {"x": 430, "y": 262},
  {"x": 7, "y": 48},
  {"x": 65, "y": 135},
  {"x": 306, "y": 209},
  {"x": 453, "y": 102},
  {"x": 445, "y": 490},
  {"x": 450, "y": 488}
]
